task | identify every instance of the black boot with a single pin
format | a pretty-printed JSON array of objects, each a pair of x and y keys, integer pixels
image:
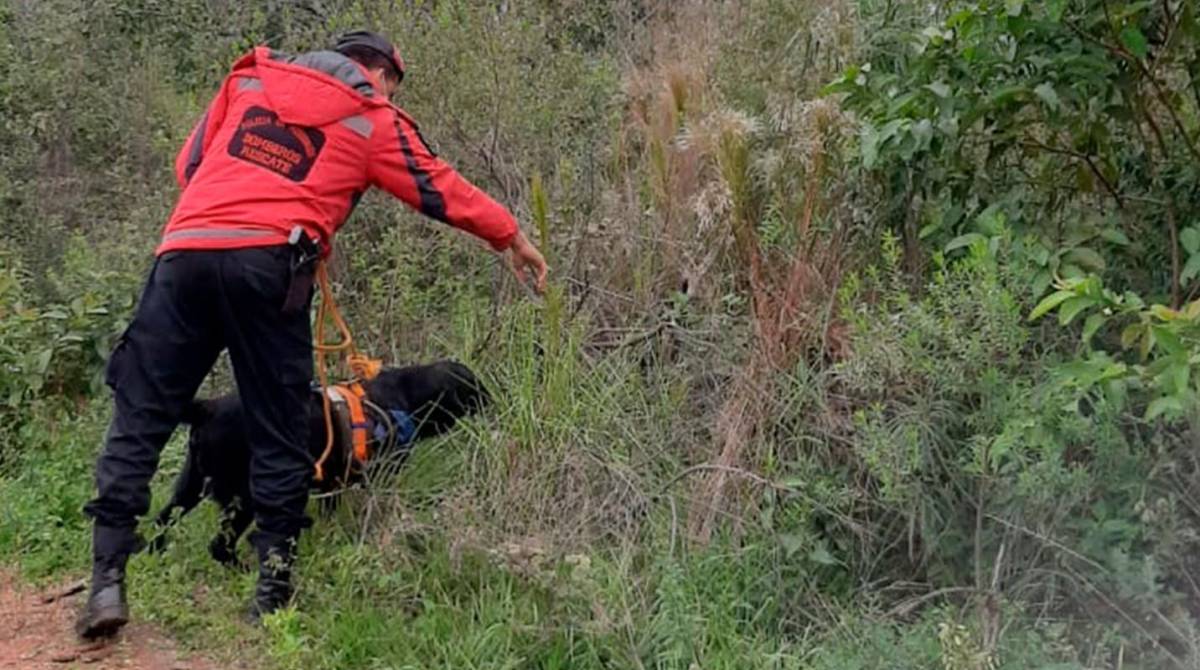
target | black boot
[
  {"x": 274, "y": 589},
  {"x": 106, "y": 610}
]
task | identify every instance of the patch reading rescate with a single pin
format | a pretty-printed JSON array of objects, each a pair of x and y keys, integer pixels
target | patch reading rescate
[{"x": 263, "y": 140}]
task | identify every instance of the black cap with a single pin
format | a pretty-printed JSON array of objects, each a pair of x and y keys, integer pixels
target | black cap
[{"x": 375, "y": 42}]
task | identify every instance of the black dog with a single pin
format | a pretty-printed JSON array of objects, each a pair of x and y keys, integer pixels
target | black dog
[{"x": 423, "y": 400}]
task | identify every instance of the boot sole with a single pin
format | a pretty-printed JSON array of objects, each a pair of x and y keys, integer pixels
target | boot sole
[{"x": 105, "y": 623}]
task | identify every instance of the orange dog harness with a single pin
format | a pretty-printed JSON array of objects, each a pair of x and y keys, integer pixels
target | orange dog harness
[{"x": 352, "y": 394}]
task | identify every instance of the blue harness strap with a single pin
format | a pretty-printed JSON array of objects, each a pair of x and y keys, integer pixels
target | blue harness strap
[{"x": 406, "y": 430}]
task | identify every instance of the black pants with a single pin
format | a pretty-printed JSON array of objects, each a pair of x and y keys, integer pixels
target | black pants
[{"x": 195, "y": 304}]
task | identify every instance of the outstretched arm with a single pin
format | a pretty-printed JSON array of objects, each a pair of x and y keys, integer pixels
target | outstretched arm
[{"x": 403, "y": 165}]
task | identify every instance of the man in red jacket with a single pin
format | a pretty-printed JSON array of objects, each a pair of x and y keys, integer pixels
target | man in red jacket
[{"x": 278, "y": 161}]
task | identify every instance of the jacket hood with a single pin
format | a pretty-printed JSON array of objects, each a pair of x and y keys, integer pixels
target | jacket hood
[{"x": 312, "y": 89}]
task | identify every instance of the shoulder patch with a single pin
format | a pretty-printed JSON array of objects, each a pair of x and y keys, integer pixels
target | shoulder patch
[{"x": 359, "y": 124}]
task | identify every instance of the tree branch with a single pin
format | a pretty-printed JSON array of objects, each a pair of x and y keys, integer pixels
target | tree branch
[{"x": 1108, "y": 186}]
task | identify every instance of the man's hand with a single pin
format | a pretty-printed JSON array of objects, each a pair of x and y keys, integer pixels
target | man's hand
[{"x": 526, "y": 257}]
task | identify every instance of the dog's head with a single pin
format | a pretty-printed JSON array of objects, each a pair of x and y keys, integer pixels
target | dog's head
[{"x": 435, "y": 395}]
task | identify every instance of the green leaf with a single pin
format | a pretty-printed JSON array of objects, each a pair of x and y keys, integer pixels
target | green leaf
[
  {"x": 43, "y": 361},
  {"x": 940, "y": 89},
  {"x": 961, "y": 16},
  {"x": 1007, "y": 93},
  {"x": 922, "y": 132},
  {"x": 1164, "y": 405},
  {"x": 963, "y": 241},
  {"x": 791, "y": 543},
  {"x": 1169, "y": 341},
  {"x": 1180, "y": 373},
  {"x": 1164, "y": 313},
  {"x": 1116, "y": 236},
  {"x": 869, "y": 140},
  {"x": 1190, "y": 239},
  {"x": 1134, "y": 40},
  {"x": 1192, "y": 309},
  {"x": 821, "y": 556},
  {"x": 1055, "y": 9},
  {"x": 1041, "y": 281},
  {"x": 1134, "y": 8},
  {"x": 1014, "y": 7},
  {"x": 991, "y": 220},
  {"x": 1191, "y": 268},
  {"x": 889, "y": 130},
  {"x": 1050, "y": 302},
  {"x": 1086, "y": 258},
  {"x": 844, "y": 83},
  {"x": 1046, "y": 92},
  {"x": 1130, "y": 335},
  {"x": 1072, "y": 307},
  {"x": 1093, "y": 324}
]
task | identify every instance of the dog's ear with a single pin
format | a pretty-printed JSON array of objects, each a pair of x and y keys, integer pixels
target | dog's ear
[{"x": 197, "y": 412}]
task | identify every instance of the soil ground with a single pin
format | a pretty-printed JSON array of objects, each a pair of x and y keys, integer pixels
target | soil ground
[{"x": 37, "y": 635}]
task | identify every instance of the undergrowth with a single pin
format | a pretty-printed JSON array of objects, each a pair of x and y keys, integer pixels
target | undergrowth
[{"x": 758, "y": 421}]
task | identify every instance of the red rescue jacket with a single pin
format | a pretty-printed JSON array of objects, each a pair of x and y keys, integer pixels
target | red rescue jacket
[{"x": 296, "y": 140}]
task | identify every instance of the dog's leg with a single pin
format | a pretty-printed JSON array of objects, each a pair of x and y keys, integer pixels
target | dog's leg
[
  {"x": 235, "y": 519},
  {"x": 189, "y": 491}
]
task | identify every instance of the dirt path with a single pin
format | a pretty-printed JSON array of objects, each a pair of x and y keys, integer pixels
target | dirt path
[{"x": 36, "y": 635}]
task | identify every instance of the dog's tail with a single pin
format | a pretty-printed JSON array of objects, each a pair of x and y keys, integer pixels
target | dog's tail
[{"x": 198, "y": 411}]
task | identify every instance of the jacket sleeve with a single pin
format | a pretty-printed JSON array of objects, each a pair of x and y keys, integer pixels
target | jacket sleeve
[
  {"x": 404, "y": 166},
  {"x": 201, "y": 137}
]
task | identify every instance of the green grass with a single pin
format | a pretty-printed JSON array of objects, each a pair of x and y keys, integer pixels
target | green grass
[
  {"x": 539, "y": 535},
  {"x": 416, "y": 594},
  {"x": 482, "y": 552}
]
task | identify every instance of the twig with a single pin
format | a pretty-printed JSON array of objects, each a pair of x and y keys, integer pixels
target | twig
[
  {"x": 1172, "y": 221},
  {"x": 1131, "y": 620},
  {"x": 906, "y": 607},
  {"x": 759, "y": 479},
  {"x": 1049, "y": 541},
  {"x": 1159, "y": 94},
  {"x": 728, "y": 469},
  {"x": 636, "y": 338},
  {"x": 1108, "y": 186},
  {"x": 64, "y": 592}
]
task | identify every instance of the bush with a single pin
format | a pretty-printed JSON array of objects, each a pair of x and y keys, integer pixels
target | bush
[
  {"x": 54, "y": 352},
  {"x": 970, "y": 466}
]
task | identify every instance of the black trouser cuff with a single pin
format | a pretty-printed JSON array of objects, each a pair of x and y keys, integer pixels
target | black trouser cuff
[{"x": 113, "y": 543}]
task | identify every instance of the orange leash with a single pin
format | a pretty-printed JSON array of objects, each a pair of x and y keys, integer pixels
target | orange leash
[{"x": 361, "y": 367}]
